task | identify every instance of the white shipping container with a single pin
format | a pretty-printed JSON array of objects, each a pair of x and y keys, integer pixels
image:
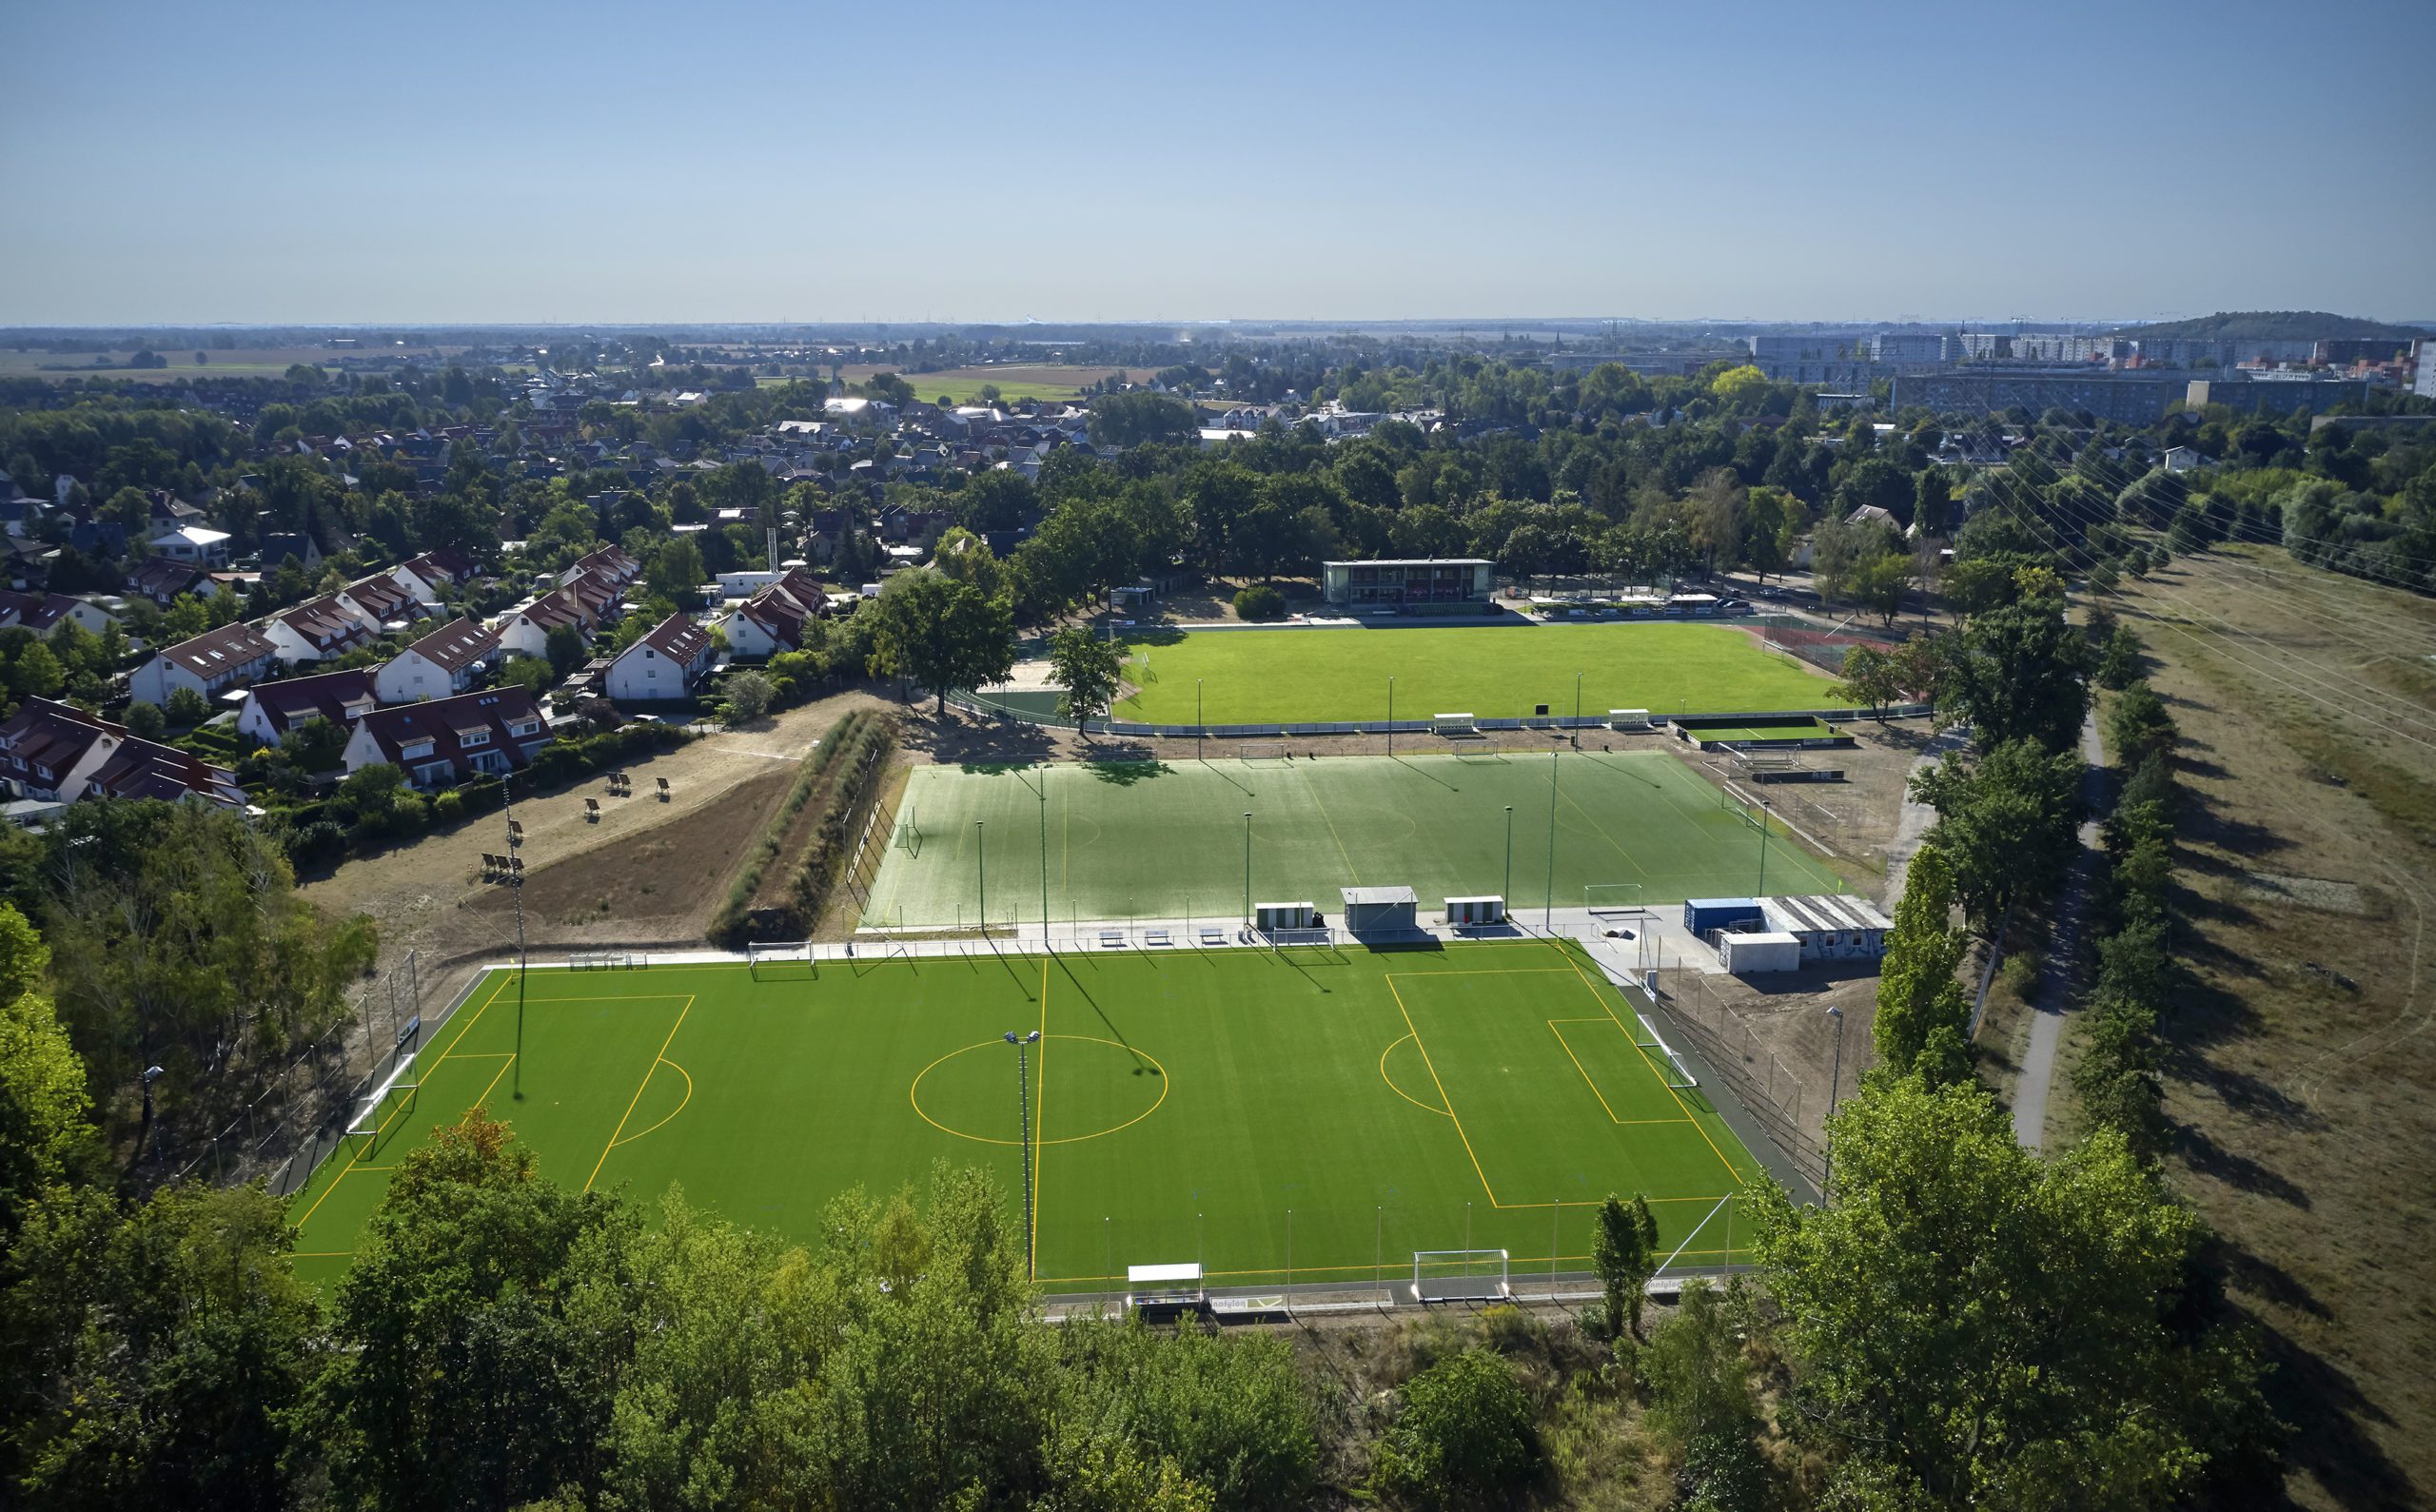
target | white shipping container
[{"x": 1748, "y": 955}]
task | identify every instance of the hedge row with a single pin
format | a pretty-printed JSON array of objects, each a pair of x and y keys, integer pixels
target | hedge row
[
  {"x": 2117, "y": 1080},
  {"x": 727, "y": 928},
  {"x": 825, "y": 858}
]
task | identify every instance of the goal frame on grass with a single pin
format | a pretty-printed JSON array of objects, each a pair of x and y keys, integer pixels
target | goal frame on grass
[
  {"x": 908, "y": 833},
  {"x": 363, "y": 1128},
  {"x": 1672, "y": 1067},
  {"x": 760, "y": 953},
  {"x": 1612, "y": 897},
  {"x": 1263, "y": 752},
  {"x": 1461, "y": 1275}
]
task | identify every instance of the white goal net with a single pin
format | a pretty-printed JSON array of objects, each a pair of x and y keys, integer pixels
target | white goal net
[
  {"x": 789, "y": 957},
  {"x": 1460, "y": 1275}
]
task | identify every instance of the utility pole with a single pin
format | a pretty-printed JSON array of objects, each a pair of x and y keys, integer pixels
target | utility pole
[
  {"x": 1555, "y": 759},
  {"x": 1023, "y": 1120},
  {"x": 516, "y": 888},
  {"x": 1509, "y": 856},
  {"x": 1248, "y": 868}
]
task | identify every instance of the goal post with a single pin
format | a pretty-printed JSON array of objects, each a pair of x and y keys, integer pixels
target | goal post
[
  {"x": 1460, "y": 1275},
  {"x": 909, "y": 832},
  {"x": 1672, "y": 1067},
  {"x": 373, "y": 1115},
  {"x": 1260, "y": 752},
  {"x": 764, "y": 956},
  {"x": 1612, "y": 897}
]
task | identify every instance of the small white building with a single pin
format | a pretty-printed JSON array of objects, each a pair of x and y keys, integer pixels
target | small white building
[
  {"x": 193, "y": 543},
  {"x": 666, "y": 664}
]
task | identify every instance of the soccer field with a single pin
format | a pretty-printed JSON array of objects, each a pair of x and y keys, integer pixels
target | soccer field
[
  {"x": 1496, "y": 672},
  {"x": 1471, "y": 1097},
  {"x": 1160, "y": 840}
]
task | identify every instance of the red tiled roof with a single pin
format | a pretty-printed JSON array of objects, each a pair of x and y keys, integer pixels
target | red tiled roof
[
  {"x": 456, "y": 645},
  {"x": 215, "y": 652}
]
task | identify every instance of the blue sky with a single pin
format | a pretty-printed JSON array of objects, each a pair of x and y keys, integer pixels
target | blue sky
[{"x": 754, "y": 162}]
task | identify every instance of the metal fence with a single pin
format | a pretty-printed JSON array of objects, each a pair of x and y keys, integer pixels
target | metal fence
[
  {"x": 1008, "y": 714},
  {"x": 1760, "y": 1080}
]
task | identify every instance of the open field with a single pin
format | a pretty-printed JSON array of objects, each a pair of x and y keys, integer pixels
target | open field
[
  {"x": 1288, "y": 676},
  {"x": 1160, "y": 840},
  {"x": 1476, "y": 1096},
  {"x": 2300, "y": 1071},
  {"x": 257, "y": 362},
  {"x": 963, "y": 386}
]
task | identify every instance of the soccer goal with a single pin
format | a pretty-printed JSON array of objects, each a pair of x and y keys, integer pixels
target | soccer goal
[
  {"x": 1672, "y": 1067},
  {"x": 1460, "y": 1275},
  {"x": 1612, "y": 897},
  {"x": 373, "y": 1115},
  {"x": 786, "y": 958},
  {"x": 1260, "y": 752},
  {"x": 909, "y": 832}
]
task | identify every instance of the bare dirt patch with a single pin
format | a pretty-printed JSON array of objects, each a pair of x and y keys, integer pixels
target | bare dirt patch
[{"x": 2301, "y": 1069}]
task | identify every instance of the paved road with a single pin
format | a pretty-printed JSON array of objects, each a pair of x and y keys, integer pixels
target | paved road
[{"x": 2056, "y": 973}]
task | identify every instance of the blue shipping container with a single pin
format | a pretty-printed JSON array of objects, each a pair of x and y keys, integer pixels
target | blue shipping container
[{"x": 1701, "y": 915}]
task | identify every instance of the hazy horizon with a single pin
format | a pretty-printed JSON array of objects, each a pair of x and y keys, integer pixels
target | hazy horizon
[{"x": 768, "y": 164}]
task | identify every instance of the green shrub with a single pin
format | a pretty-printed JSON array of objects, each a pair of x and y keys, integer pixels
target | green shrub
[
  {"x": 1465, "y": 1434},
  {"x": 1260, "y": 601}
]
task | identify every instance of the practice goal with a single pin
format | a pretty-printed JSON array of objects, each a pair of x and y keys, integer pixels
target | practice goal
[
  {"x": 1260, "y": 752},
  {"x": 793, "y": 957},
  {"x": 1672, "y": 1067},
  {"x": 1460, "y": 1275},
  {"x": 372, "y": 1116}
]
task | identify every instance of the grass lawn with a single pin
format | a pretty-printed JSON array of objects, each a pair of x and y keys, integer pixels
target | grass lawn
[
  {"x": 1155, "y": 841},
  {"x": 963, "y": 386},
  {"x": 1183, "y": 1102},
  {"x": 1302, "y": 676}
]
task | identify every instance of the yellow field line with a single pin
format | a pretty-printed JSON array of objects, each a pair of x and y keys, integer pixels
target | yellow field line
[
  {"x": 1400, "y": 1091},
  {"x": 1589, "y": 987},
  {"x": 1441, "y": 1092},
  {"x": 639, "y": 1093},
  {"x": 681, "y": 1106},
  {"x": 1585, "y": 1072}
]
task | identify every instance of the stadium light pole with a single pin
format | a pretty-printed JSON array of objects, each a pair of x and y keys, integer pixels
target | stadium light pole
[
  {"x": 1247, "y": 868},
  {"x": 1550, "y": 922},
  {"x": 1762, "y": 890},
  {"x": 981, "y": 873},
  {"x": 1200, "y": 726},
  {"x": 1509, "y": 856},
  {"x": 1391, "y": 716},
  {"x": 1577, "y": 711},
  {"x": 1835, "y": 1081},
  {"x": 1023, "y": 1122},
  {"x": 1044, "y": 860},
  {"x": 516, "y": 887}
]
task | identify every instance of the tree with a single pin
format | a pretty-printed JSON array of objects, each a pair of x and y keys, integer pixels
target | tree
[
  {"x": 746, "y": 696},
  {"x": 1088, "y": 667},
  {"x": 567, "y": 648},
  {"x": 186, "y": 708},
  {"x": 2006, "y": 823},
  {"x": 2138, "y": 727},
  {"x": 1139, "y": 417},
  {"x": 1258, "y": 602},
  {"x": 1463, "y": 1437},
  {"x": 968, "y": 558},
  {"x": 2018, "y": 674},
  {"x": 999, "y": 498},
  {"x": 533, "y": 674},
  {"x": 146, "y": 720},
  {"x": 2051, "y": 1302},
  {"x": 1700, "y": 1403},
  {"x": 1624, "y": 1251},
  {"x": 1738, "y": 387},
  {"x": 1922, "y": 1015},
  {"x": 45, "y": 1108},
  {"x": 1933, "y": 504},
  {"x": 941, "y": 633},
  {"x": 1871, "y": 676}
]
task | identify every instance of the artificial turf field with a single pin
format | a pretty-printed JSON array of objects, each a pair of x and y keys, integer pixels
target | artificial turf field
[
  {"x": 1496, "y": 672},
  {"x": 1182, "y": 1102},
  {"x": 1162, "y": 840}
]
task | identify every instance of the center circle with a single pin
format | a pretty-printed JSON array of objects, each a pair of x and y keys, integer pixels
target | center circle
[{"x": 964, "y": 1092}]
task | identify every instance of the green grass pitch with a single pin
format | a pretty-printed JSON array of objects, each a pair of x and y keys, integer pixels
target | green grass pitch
[
  {"x": 1495, "y": 671},
  {"x": 1160, "y": 840},
  {"x": 1475, "y": 1097}
]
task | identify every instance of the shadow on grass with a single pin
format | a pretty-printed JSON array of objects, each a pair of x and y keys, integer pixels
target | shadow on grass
[
  {"x": 1124, "y": 774},
  {"x": 2205, "y": 1156}
]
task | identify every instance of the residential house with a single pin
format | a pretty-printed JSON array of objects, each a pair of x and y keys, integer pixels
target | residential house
[
  {"x": 272, "y": 709},
  {"x": 446, "y": 741},
  {"x": 583, "y": 602},
  {"x": 665, "y": 663},
  {"x": 318, "y": 630},
  {"x": 42, "y": 613},
  {"x": 281, "y": 544},
  {"x": 610, "y": 562},
  {"x": 160, "y": 580},
  {"x": 426, "y": 574},
  {"x": 772, "y": 620},
  {"x": 441, "y": 664},
  {"x": 57, "y": 753},
  {"x": 193, "y": 543},
  {"x": 2183, "y": 459},
  {"x": 381, "y": 601},
  {"x": 211, "y": 663}
]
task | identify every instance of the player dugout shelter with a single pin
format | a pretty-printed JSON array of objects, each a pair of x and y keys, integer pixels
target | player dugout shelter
[
  {"x": 1445, "y": 584},
  {"x": 1380, "y": 911}
]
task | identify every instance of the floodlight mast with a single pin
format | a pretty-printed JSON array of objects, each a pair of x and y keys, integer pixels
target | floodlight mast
[{"x": 1023, "y": 1118}]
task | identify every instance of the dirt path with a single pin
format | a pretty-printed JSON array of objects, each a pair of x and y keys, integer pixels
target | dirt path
[{"x": 646, "y": 871}]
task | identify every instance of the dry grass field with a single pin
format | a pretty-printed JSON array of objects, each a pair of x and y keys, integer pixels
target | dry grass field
[
  {"x": 255, "y": 362},
  {"x": 2301, "y": 1069},
  {"x": 1014, "y": 381}
]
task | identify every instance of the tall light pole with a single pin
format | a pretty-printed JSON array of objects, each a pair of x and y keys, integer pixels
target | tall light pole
[
  {"x": 1764, "y": 848},
  {"x": 1835, "y": 1083},
  {"x": 1200, "y": 727},
  {"x": 516, "y": 888},
  {"x": 1509, "y": 856},
  {"x": 1023, "y": 1120},
  {"x": 1550, "y": 922},
  {"x": 1247, "y": 868},
  {"x": 981, "y": 873},
  {"x": 1577, "y": 711},
  {"x": 1391, "y": 716},
  {"x": 1044, "y": 860}
]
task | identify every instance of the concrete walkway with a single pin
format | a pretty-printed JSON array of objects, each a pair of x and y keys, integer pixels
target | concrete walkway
[
  {"x": 1913, "y": 820},
  {"x": 2057, "y": 970}
]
